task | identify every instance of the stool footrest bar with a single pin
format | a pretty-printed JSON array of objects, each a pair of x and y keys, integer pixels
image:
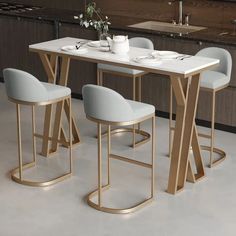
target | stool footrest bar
[
  {"x": 121, "y": 158},
  {"x": 146, "y": 136}
]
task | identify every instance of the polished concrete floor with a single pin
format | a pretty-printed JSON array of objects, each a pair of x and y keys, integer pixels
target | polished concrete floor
[{"x": 206, "y": 208}]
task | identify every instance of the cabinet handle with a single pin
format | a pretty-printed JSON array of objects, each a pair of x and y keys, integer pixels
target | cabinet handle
[{"x": 199, "y": 43}]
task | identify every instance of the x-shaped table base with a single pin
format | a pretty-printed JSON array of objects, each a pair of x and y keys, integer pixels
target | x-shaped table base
[{"x": 186, "y": 93}]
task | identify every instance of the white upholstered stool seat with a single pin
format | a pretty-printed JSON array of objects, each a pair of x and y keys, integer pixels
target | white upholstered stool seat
[
  {"x": 55, "y": 91},
  {"x": 141, "y": 109},
  {"x": 24, "y": 89},
  {"x": 107, "y": 107},
  {"x": 213, "y": 79}
]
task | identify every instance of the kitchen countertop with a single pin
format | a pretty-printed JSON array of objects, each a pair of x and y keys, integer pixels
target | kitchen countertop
[{"x": 211, "y": 35}]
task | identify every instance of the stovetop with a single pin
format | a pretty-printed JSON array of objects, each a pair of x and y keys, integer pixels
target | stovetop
[{"x": 16, "y": 7}]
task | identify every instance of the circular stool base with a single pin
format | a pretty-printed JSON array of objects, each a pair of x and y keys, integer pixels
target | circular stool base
[
  {"x": 34, "y": 183},
  {"x": 115, "y": 210},
  {"x": 218, "y": 151}
]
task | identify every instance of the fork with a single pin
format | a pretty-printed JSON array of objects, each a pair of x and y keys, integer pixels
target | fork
[{"x": 185, "y": 57}]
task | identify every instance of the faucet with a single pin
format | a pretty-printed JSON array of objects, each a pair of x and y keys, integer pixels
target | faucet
[
  {"x": 180, "y": 22},
  {"x": 180, "y": 12}
]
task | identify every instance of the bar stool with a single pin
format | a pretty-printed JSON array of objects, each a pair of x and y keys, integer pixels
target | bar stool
[
  {"x": 136, "y": 76},
  {"x": 24, "y": 89},
  {"x": 213, "y": 81},
  {"x": 107, "y": 107}
]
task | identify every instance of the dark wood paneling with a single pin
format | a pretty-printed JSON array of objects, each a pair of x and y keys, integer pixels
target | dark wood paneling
[
  {"x": 61, "y": 4},
  {"x": 16, "y": 36},
  {"x": 225, "y": 112}
]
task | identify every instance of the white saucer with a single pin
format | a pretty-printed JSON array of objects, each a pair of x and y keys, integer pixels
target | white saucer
[{"x": 73, "y": 49}]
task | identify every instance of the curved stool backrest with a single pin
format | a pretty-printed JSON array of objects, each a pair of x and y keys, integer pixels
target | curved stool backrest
[
  {"x": 223, "y": 55},
  {"x": 23, "y": 86},
  {"x": 105, "y": 104},
  {"x": 141, "y": 42}
]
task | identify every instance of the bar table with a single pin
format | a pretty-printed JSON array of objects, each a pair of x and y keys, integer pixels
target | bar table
[{"x": 184, "y": 77}]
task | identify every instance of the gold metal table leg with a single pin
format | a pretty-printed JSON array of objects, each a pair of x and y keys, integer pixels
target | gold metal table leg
[
  {"x": 185, "y": 135},
  {"x": 50, "y": 67}
]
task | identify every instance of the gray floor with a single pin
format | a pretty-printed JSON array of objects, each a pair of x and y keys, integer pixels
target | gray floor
[{"x": 206, "y": 208}]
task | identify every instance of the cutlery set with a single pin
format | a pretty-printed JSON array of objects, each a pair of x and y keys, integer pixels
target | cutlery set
[
  {"x": 156, "y": 55},
  {"x": 179, "y": 57}
]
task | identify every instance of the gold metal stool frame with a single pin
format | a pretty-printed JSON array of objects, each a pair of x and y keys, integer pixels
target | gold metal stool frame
[
  {"x": 19, "y": 170},
  {"x": 101, "y": 187},
  {"x": 137, "y": 91},
  {"x": 211, "y": 149}
]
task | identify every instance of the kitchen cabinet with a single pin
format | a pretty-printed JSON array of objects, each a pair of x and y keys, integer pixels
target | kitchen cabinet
[{"x": 16, "y": 36}]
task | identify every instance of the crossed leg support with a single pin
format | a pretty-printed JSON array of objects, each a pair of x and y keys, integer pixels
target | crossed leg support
[{"x": 185, "y": 135}]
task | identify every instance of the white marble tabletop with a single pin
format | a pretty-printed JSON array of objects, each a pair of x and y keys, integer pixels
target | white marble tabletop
[{"x": 174, "y": 67}]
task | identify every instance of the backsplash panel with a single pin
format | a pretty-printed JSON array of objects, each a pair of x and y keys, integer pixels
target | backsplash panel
[{"x": 202, "y": 12}]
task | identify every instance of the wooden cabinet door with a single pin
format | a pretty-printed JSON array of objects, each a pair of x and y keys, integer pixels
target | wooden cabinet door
[{"x": 16, "y": 36}]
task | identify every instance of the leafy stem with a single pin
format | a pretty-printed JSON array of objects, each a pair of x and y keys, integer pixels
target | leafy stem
[{"x": 99, "y": 22}]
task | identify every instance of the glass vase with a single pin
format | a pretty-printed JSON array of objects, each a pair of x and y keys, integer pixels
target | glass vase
[{"x": 103, "y": 34}]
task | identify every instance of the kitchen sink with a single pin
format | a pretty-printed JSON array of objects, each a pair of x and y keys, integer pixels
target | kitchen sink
[{"x": 167, "y": 27}]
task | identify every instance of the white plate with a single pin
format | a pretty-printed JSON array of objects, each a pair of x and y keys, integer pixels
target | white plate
[
  {"x": 94, "y": 44},
  {"x": 165, "y": 54},
  {"x": 73, "y": 49},
  {"x": 147, "y": 60}
]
